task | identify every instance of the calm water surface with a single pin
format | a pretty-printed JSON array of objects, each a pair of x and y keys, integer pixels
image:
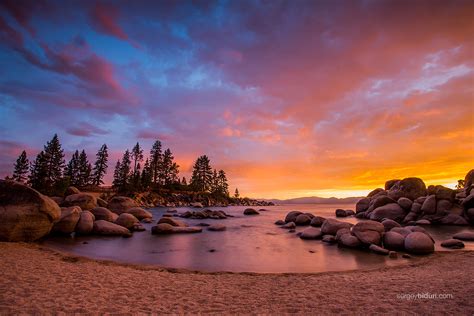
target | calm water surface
[{"x": 250, "y": 244}]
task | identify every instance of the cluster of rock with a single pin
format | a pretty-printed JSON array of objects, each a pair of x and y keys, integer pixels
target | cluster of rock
[
  {"x": 178, "y": 199},
  {"x": 204, "y": 214},
  {"x": 27, "y": 215},
  {"x": 167, "y": 225},
  {"x": 410, "y": 202},
  {"x": 386, "y": 237}
]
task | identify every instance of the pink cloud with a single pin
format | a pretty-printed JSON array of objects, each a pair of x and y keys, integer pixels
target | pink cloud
[{"x": 104, "y": 19}]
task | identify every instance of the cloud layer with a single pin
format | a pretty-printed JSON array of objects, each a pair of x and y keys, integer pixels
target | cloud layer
[{"x": 292, "y": 98}]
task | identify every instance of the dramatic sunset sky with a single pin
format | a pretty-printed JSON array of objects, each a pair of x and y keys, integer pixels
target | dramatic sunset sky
[{"x": 291, "y": 98}]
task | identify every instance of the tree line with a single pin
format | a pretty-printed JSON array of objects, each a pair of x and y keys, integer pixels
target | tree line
[{"x": 50, "y": 174}]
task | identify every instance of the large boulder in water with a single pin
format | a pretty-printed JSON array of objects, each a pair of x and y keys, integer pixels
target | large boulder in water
[
  {"x": 291, "y": 216},
  {"x": 368, "y": 232},
  {"x": 127, "y": 220},
  {"x": 362, "y": 205},
  {"x": 121, "y": 204},
  {"x": 85, "y": 201},
  {"x": 331, "y": 226},
  {"x": 102, "y": 227},
  {"x": 165, "y": 229},
  {"x": 172, "y": 222},
  {"x": 393, "y": 240},
  {"x": 311, "y": 233},
  {"x": 419, "y": 243},
  {"x": 411, "y": 188},
  {"x": 302, "y": 220},
  {"x": 139, "y": 213},
  {"x": 390, "y": 211},
  {"x": 317, "y": 221},
  {"x": 86, "y": 223},
  {"x": 102, "y": 213},
  {"x": 25, "y": 214},
  {"x": 68, "y": 220},
  {"x": 251, "y": 211},
  {"x": 349, "y": 240}
]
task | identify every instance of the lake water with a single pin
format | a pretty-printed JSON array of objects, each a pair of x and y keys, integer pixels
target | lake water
[{"x": 250, "y": 244}]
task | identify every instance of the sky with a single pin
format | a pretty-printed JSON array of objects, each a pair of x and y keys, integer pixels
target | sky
[{"x": 290, "y": 98}]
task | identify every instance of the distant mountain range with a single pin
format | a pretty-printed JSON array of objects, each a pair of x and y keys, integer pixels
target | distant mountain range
[{"x": 316, "y": 200}]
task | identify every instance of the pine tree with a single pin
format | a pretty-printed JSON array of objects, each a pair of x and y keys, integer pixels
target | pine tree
[
  {"x": 214, "y": 182},
  {"x": 124, "y": 172},
  {"x": 85, "y": 170},
  {"x": 72, "y": 170},
  {"x": 236, "y": 193},
  {"x": 100, "y": 165},
  {"x": 156, "y": 158},
  {"x": 183, "y": 181},
  {"x": 22, "y": 165},
  {"x": 116, "y": 180},
  {"x": 38, "y": 178},
  {"x": 202, "y": 174},
  {"x": 223, "y": 186},
  {"x": 146, "y": 176},
  {"x": 137, "y": 156},
  {"x": 169, "y": 169},
  {"x": 55, "y": 160}
]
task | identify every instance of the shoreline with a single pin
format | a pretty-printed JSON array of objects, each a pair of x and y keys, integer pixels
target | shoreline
[{"x": 38, "y": 279}]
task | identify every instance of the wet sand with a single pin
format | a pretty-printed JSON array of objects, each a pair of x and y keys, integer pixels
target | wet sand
[{"x": 35, "y": 279}]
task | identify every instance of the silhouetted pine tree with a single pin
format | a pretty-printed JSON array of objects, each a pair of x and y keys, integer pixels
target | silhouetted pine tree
[
  {"x": 156, "y": 159},
  {"x": 124, "y": 172},
  {"x": 236, "y": 193},
  {"x": 54, "y": 160},
  {"x": 85, "y": 169},
  {"x": 169, "y": 169},
  {"x": 202, "y": 174},
  {"x": 20, "y": 172},
  {"x": 223, "y": 186},
  {"x": 72, "y": 169},
  {"x": 137, "y": 156},
  {"x": 116, "y": 181},
  {"x": 183, "y": 181},
  {"x": 146, "y": 176},
  {"x": 38, "y": 178},
  {"x": 214, "y": 182},
  {"x": 100, "y": 165}
]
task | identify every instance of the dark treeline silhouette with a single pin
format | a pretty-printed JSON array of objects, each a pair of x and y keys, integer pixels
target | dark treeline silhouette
[{"x": 50, "y": 174}]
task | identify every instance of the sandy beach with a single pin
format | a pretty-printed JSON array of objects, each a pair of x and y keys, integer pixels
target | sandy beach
[{"x": 39, "y": 280}]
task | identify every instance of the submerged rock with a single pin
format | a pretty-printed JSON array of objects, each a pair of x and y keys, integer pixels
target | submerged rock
[
  {"x": 280, "y": 222},
  {"x": 378, "y": 250},
  {"x": 311, "y": 233},
  {"x": 216, "y": 228},
  {"x": 467, "y": 236},
  {"x": 102, "y": 227},
  {"x": 165, "y": 229},
  {"x": 251, "y": 211},
  {"x": 452, "y": 243},
  {"x": 172, "y": 222}
]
